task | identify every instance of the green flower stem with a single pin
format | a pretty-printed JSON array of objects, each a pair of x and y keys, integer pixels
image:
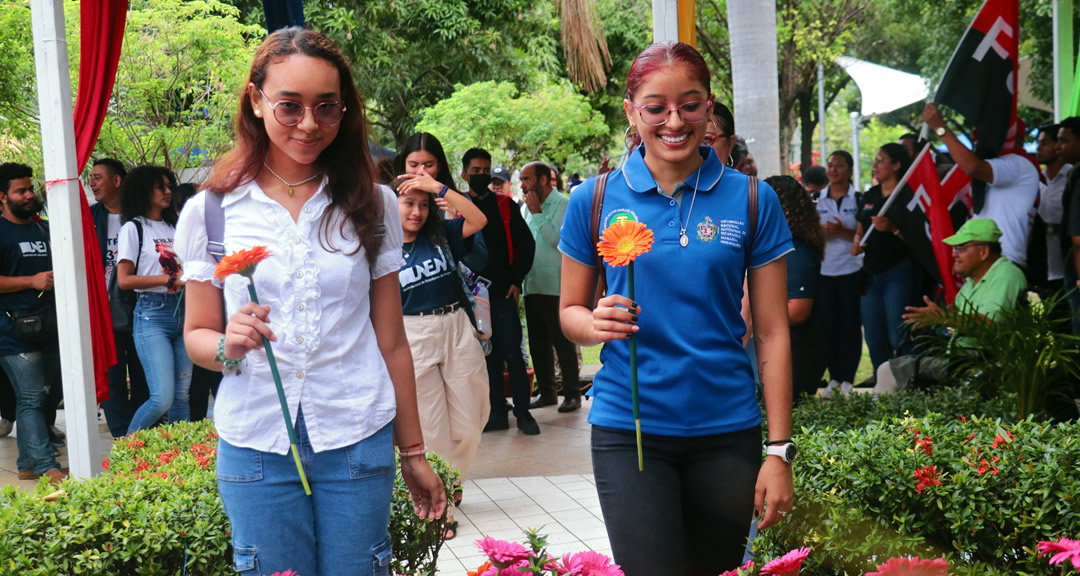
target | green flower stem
[
  {"x": 281, "y": 397},
  {"x": 633, "y": 381}
]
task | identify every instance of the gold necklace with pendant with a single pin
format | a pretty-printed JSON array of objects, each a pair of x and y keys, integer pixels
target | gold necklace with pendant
[{"x": 291, "y": 186}]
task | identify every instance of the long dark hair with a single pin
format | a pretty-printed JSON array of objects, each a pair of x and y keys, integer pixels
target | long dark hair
[
  {"x": 346, "y": 161},
  {"x": 802, "y": 215},
  {"x": 433, "y": 225},
  {"x": 138, "y": 188},
  {"x": 897, "y": 153},
  {"x": 430, "y": 144}
]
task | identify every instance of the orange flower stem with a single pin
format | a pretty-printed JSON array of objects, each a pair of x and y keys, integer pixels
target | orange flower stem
[
  {"x": 633, "y": 380},
  {"x": 281, "y": 397}
]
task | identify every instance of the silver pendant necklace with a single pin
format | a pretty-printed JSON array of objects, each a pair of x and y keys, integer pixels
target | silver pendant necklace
[
  {"x": 683, "y": 240},
  {"x": 293, "y": 184}
]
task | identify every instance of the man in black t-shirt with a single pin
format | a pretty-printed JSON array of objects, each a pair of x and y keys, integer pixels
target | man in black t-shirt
[
  {"x": 1068, "y": 149},
  {"x": 26, "y": 284}
]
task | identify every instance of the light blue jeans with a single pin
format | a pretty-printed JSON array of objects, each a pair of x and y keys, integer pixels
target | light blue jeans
[
  {"x": 30, "y": 374},
  {"x": 159, "y": 340},
  {"x": 342, "y": 528},
  {"x": 882, "y": 310}
]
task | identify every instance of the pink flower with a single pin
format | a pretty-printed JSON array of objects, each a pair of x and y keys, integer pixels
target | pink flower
[
  {"x": 590, "y": 563},
  {"x": 1066, "y": 550},
  {"x": 285, "y": 573},
  {"x": 912, "y": 567},
  {"x": 501, "y": 551},
  {"x": 788, "y": 563},
  {"x": 741, "y": 570},
  {"x": 513, "y": 569}
]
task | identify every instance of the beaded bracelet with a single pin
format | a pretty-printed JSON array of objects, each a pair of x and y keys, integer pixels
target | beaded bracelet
[
  {"x": 442, "y": 192},
  {"x": 221, "y": 355}
]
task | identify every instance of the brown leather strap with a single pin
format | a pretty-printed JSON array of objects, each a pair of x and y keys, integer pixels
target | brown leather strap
[
  {"x": 597, "y": 215},
  {"x": 752, "y": 218}
]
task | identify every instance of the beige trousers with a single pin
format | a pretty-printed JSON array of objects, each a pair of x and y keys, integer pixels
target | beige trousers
[{"x": 451, "y": 385}]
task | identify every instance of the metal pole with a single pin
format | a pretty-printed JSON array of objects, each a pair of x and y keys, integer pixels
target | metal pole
[
  {"x": 855, "y": 119},
  {"x": 665, "y": 20},
  {"x": 65, "y": 225},
  {"x": 821, "y": 110},
  {"x": 1063, "y": 58}
]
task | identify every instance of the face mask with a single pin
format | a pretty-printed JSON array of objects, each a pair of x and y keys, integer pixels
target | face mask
[{"x": 479, "y": 183}]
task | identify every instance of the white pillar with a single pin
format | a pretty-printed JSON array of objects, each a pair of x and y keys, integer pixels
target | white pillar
[
  {"x": 855, "y": 120},
  {"x": 821, "y": 111},
  {"x": 1063, "y": 58},
  {"x": 665, "y": 15},
  {"x": 65, "y": 225},
  {"x": 752, "y": 26}
]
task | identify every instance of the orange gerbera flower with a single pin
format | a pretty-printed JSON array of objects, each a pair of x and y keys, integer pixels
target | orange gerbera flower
[
  {"x": 242, "y": 262},
  {"x": 624, "y": 241}
]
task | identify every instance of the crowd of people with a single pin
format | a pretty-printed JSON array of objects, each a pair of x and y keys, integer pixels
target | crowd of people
[{"x": 393, "y": 290}]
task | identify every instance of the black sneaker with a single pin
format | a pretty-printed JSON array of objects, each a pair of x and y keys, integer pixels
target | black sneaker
[{"x": 527, "y": 424}]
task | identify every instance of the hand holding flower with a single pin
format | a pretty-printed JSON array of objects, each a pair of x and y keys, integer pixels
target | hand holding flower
[
  {"x": 615, "y": 318},
  {"x": 245, "y": 330}
]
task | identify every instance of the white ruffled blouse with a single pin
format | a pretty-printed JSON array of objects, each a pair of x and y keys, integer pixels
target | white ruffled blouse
[{"x": 319, "y": 301}]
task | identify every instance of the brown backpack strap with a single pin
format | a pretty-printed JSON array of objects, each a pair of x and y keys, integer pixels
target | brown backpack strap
[
  {"x": 596, "y": 216},
  {"x": 752, "y": 218}
]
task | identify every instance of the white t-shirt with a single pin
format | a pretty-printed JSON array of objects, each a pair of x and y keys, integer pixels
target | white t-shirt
[
  {"x": 112, "y": 241},
  {"x": 838, "y": 259},
  {"x": 320, "y": 311},
  {"x": 1050, "y": 208},
  {"x": 156, "y": 235},
  {"x": 1010, "y": 197}
]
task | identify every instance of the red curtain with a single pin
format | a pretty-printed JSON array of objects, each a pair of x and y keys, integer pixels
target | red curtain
[{"x": 102, "y": 35}]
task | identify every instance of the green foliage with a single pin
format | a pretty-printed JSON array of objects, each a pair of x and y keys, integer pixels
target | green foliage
[
  {"x": 1027, "y": 350},
  {"x": 858, "y": 410},
  {"x": 156, "y": 510},
  {"x": 976, "y": 491},
  {"x": 552, "y": 123}
]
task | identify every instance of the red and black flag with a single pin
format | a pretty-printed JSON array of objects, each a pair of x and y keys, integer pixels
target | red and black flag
[{"x": 980, "y": 81}]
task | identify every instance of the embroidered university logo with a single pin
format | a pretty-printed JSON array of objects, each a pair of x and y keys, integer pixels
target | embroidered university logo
[
  {"x": 620, "y": 215},
  {"x": 706, "y": 230}
]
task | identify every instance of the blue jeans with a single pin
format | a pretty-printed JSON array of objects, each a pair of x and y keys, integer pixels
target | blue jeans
[
  {"x": 121, "y": 405},
  {"x": 882, "y": 308},
  {"x": 159, "y": 339},
  {"x": 342, "y": 528},
  {"x": 31, "y": 373}
]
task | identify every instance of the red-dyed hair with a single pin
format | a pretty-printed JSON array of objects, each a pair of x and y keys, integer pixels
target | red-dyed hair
[
  {"x": 662, "y": 56},
  {"x": 346, "y": 161}
]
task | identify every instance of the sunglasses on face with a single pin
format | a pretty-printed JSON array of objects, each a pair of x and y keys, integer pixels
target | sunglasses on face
[{"x": 290, "y": 113}]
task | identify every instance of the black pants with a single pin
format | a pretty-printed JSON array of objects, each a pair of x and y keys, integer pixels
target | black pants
[
  {"x": 124, "y": 401},
  {"x": 203, "y": 383},
  {"x": 7, "y": 398},
  {"x": 545, "y": 332},
  {"x": 689, "y": 511},
  {"x": 506, "y": 351},
  {"x": 838, "y": 312}
]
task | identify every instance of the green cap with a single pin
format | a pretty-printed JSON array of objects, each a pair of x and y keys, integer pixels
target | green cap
[{"x": 976, "y": 230}]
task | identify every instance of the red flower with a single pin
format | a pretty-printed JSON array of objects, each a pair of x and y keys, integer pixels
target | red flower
[
  {"x": 135, "y": 444},
  {"x": 925, "y": 444},
  {"x": 912, "y": 567},
  {"x": 926, "y": 476},
  {"x": 1066, "y": 550},
  {"x": 142, "y": 465},
  {"x": 787, "y": 564},
  {"x": 998, "y": 441},
  {"x": 962, "y": 419},
  {"x": 166, "y": 457},
  {"x": 105, "y": 463},
  {"x": 242, "y": 262}
]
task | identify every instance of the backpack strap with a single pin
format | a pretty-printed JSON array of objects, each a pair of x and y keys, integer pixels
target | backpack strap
[
  {"x": 215, "y": 226},
  {"x": 138, "y": 255},
  {"x": 752, "y": 220},
  {"x": 595, "y": 216}
]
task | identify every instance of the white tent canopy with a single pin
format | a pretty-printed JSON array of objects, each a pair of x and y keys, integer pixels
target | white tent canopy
[{"x": 884, "y": 89}]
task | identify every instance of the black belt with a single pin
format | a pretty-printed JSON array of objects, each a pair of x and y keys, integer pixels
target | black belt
[{"x": 440, "y": 310}]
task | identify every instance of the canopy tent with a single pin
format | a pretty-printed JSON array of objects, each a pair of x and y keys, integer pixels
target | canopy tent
[{"x": 884, "y": 89}]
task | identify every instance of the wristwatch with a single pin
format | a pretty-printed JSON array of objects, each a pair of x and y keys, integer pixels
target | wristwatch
[
  {"x": 785, "y": 449},
  {"x": 941, "y": 132}
]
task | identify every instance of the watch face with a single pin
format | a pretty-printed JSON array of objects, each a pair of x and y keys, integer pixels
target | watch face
[
  {"x": 791, "y": 453},
  {"x": 940, "y": 131}
]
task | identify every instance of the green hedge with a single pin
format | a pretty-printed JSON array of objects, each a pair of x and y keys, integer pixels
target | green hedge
[
  {"x": 157, "y": 509},
  {"x": 976, "y": 490}
]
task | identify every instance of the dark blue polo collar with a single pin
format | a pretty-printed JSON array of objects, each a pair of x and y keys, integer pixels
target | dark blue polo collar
[{"x": 639, "y": 179}]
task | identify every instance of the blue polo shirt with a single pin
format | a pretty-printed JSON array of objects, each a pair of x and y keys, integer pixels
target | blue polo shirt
[{"x": 694, "y": 377}]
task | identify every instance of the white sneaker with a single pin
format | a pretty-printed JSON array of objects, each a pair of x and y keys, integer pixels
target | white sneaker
[
  {"x": 830, "y": 389},
  {"x": 845, "y": 388},
  {"x": 5, "y": 427}
]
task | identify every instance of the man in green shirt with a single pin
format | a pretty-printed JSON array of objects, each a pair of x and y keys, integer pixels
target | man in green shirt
[
  {"x": 543, "y": 212},
  {"x": 992, "y": 284}
]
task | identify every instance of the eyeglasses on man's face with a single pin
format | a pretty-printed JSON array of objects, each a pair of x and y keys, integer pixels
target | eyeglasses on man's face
[
  {"x": 290, "y": 113},
  {"x": 694, "y": 112},
  {"x": 963, "y": 247}
]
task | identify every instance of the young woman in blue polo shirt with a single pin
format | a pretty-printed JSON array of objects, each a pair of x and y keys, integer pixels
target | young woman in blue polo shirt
[{"x": 688, "y": 512}]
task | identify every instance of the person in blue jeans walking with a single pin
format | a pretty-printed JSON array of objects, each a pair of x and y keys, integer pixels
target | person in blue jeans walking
[
  {"x": 891, "y": 275},
  {"x": 147, "y": 264},
  {"x": 26, "y": 286},
  {"x": 301, "y": 183}
]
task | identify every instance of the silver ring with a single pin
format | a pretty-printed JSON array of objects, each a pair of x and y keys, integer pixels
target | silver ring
[{"x": 782, "y": 513}]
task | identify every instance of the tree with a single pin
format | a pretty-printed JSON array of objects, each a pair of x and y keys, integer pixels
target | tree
[
  {"x": 407, "y": 56},
  {"x": 554, "y": 123}
]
